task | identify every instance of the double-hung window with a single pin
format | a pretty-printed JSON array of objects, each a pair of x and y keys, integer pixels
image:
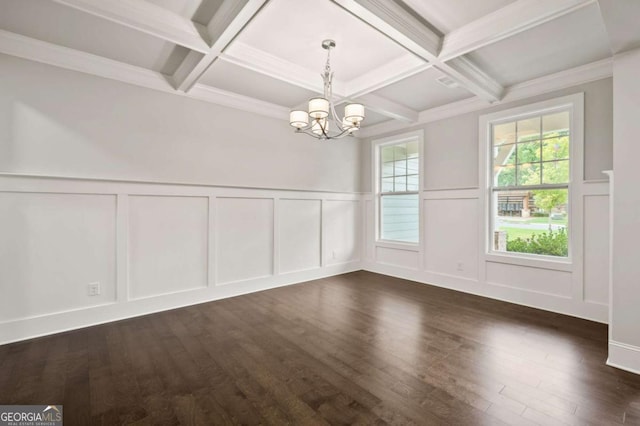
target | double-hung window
[
  {"x": 529, "y": 178},
  {"x": 398, "y": 189}
]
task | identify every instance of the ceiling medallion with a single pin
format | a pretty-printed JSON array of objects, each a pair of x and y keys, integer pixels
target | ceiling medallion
[{"x": 322, "y": 110}]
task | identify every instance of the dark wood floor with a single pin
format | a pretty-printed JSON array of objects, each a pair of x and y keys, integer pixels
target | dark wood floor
[{"x": 357, "y": 348}]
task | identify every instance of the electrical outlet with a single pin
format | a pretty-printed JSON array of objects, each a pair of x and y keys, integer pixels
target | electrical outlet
[
  {"x": 333, "y": 254},
  {"x": 460, "y": 266},
  {"x": 93, "y": 289}
]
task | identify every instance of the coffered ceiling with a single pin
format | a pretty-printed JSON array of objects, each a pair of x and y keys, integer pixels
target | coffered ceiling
[{"x": 408, "y": 62}]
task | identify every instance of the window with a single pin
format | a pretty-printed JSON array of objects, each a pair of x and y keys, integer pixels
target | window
[
  {"x": 529, "y": 188},
  {"x": 398, "y": 183}
]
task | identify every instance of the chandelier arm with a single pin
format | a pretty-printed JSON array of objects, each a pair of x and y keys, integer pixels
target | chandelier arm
[{"x": 327, "y": 137}]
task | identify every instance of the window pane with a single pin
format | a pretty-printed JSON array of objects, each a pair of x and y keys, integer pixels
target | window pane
[
  {"x": 400, "y": 167},
  {"x": 413, "y": 166},
  {"x": 504, "y": 176},
  {"x": 555, "y": 149},
  {"x": 529, "y": 174},
  {"x": 387, "y": 169},
  {"x": 387, "y": 185},
  {"x": 413, "y": 183},
  {"x": 504, "y": 133},
  {"x": 555, "y": 124},
  {"x": 533, "y": 222},
  {"x": 386, "y": 154},
  {"x": 504, "y": 154},
  {"x": 400, "y": 151},
  {"x": 400, "y": 184},
  {"x": 555, "y": 172},
  {"x": 400, "y": 219},
  {"x": 412, "y": 149},
  {"x": 528, "y": 152},
  {"x": 529, "y": 129}
]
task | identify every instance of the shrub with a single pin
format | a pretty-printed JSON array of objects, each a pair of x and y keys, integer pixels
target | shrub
[{"x": 548, "y": 243}]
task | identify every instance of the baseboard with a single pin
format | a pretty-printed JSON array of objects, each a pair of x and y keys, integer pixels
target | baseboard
[
  {"x": 547, "y": 302},
  {"x": 623, "y": 356},
  {"x": 28, "y": 328}
]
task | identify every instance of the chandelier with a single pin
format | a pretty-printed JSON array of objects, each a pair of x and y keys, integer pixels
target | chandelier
[{"x": 322, "y": 112}]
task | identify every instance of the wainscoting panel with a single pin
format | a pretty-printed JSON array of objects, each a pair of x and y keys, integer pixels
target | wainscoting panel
[
  {"x": 52, "y": 246},
  {"x": 300, "y": 223},
  {"x": 156, "y": 246},
  {"x": 244, "y": 247},
  {"x": 342, "y": 231},
  {"x": 596, "y": 248},
  {"x": 548, "y": 281},
  {"x": 398, "y": 257},
  {"x": 168, "y": 244},
  {"x": 451, "y": 236}
]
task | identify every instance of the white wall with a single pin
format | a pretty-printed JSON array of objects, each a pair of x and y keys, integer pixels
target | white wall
[
  {"x": 64, "y": 123},
  {"x": 451, "y": 255},
  {"x": 172, "y": 201},
  {"x": 624, "y": 343}
]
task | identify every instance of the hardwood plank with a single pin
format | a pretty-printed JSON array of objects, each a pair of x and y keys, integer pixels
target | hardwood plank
[{"x": 358, "y": 348}]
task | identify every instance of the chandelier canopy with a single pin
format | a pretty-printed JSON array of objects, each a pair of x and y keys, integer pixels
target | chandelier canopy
[{"x": 322, "y": 111}]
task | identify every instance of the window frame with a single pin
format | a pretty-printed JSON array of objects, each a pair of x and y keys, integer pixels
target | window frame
[
  {"x": 377, "y": 145},
  {"x": 574, "y": 104}
]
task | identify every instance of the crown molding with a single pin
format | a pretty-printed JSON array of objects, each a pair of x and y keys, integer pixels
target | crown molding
[
  {"x": 226, "y": 24},
  {"x": 505, "y": 22},
  {"x": 400, "y": 26},
  {"x": 147, "y": 18},
  {"x": 75, "y": 60},
  {"x": 538, "y": 86}
]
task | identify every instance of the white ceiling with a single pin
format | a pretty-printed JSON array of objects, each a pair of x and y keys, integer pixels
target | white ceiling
[
  {"x": 574, "y": 39},
  {"x": 200, "y": 11},
  {"x": 449, "y": 15},
  {"x": 265, "y": 55},
  {"x": 422, "y": 91}
]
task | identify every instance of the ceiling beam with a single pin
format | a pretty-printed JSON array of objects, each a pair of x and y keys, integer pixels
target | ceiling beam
[
  {"x": 505, "y": 22},
  {"x": 225, "y": 25},
  {"x": 147, "y": 18},
  {"x": 389, "y": 108},
  {"x": 395, "y": 22}
]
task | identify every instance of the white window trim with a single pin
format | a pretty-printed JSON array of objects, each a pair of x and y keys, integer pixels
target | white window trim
[
  {"x": 575, "y": 105},
  {"x": 375, "y": 154}
]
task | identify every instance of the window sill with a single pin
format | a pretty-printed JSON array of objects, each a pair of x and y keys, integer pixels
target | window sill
[
  {"x": 544, "y": 262},
  {"x": 398, "y": 245}
]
